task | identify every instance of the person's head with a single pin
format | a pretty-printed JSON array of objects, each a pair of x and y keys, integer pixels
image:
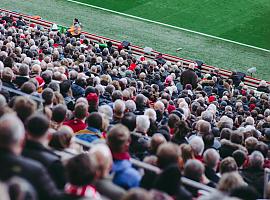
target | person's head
[
  {"x": 103, "y": 156},
  {"x": 61, "y": 139},
  {"x": 142, "y": 123},
  {"x": 251, "y": 143},
  {"x": 156, "y": 140},
  {"x": 230, "y": 181},
  {"x": 24, "y": 70},
  {"x": 119, "y": 108},
  {"x": 204, "y": 127},
  {"x": 37, "y": 126},
  {"x": 186, "y": 152},
  {"x": 95, "y": 120},
  {"x": 173, "y": 120},
  {"x": 24, "y": 107},
  {"x": 59, "y": 113},
  {"x": 237, "y": 137},
  {"x": 47, "y": 96},
  {"x": 167, "y": 154},
  {"x": 207, "y": 116},
  {"x": 239, "y": 157},
  {"x": 256, "y": 160},
  {"x": 28, "y": 87},
  {"x": 129, "y": 120},
  {"x": 118, "y": 138},
  {"x": 225, "y": 133},
  {"x": 227, "y": 165},
  {"x": 80, "y": 111},
  {"x": 11, "y": 137},
  {"x": 130, "y": 106},
  {"x": 211, "y": 158},
  {"x": 7, "y": 74},
  {"x": 197, "y": 145},
  {"x": 81, "y": 170},
  {"x": 194, "y": 170}
]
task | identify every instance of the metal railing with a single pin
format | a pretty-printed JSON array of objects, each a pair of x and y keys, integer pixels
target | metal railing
[{"x": 249, "y": 81}]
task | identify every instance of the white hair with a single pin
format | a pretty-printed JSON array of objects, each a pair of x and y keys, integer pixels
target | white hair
[
  {"x": 197, "y": 145},
  {"x": 130, "y": 105},
  {"x": 106, "y": 110},
  {"x": 151, "y": 113},
  {"x": 159, "y": 105},
  {"x": 142, "y": 123},
  {"x": 256, "y": 159},
  {"x": 207, "y": 116},
  {"x": 119, "y": 106},
  {"x": 250, "y": 120}
]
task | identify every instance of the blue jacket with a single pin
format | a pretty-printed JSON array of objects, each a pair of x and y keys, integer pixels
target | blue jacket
[
  {"x": 89, "y": 134},
  {"x": 125, "y": 175}
]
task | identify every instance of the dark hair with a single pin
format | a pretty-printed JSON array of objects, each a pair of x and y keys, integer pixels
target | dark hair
[
  {"x": 239, "y": 157},
  {"x": 47, "y": 96},
  {"x": 59, "y": 113},
  {"x": 65, "y": 86},
  {"x": 37, "y": 125},
  {"x": 81, "y": 170},
  {"x": 129, "y": 120},
  {"x": 94, "y": 120}
]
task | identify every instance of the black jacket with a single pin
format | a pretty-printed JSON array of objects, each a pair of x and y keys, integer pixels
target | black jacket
[
  {"x": 30, "y": 170},
  {"x": 48, "y": 159},
  {"x": 211, "y": 175}
]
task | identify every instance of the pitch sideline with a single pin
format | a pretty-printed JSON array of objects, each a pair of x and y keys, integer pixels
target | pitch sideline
[{"x": 167, "y": 25}]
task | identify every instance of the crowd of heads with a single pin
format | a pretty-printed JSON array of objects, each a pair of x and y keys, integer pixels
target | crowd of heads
[{"x": 58, "y": 90}]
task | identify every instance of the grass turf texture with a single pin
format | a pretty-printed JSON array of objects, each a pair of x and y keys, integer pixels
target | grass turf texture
[{"x": 180, "y": 13}]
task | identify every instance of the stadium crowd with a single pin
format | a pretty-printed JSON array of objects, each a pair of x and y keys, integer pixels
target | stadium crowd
[{"x": 208, "y": 129}]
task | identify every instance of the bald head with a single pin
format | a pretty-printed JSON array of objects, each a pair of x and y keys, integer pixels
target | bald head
[{"x": 156, "y": 140}]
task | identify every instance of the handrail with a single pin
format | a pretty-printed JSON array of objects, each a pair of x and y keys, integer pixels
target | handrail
[
  {"x": 249, "y": 81},
  {"x": 153, "y": 168}
]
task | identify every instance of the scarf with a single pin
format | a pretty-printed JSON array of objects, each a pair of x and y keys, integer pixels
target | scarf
[
  {"x": 82, "y": 191},
  {"x": 121, "y": 156}
]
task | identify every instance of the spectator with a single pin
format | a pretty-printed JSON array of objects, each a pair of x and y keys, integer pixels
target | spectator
[
  {"x": 93, "y": 131},
  {"x": 11, "y": 138},
  {"x": 37, "y": 137},
  {"x": 104, "y": 185},
  {"x": 211, "y": 161}
]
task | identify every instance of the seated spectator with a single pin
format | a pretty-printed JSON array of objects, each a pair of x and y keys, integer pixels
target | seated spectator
[
  {"x": 11, "y": 139},
  {"x": 230, "y": 181},
  {"x": 227, "y": 165},
  {"x": 80, "y": 113},
  {"x": 81, "y": 173},
  {"x": 104, "y": 184},
  {"x": 194, "y": 170},
  {"x": 93, "y": 131},
  {"x": 125, "y": 175},
  {"x": 211, "y": 161},
  {"x": 254, "y": 174},
  {"x": 37, "y": 137},
  {"x": 59, "y": 113}
]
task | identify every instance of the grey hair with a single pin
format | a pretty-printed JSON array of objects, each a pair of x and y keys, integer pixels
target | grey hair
[
  {"x": 130, "y": 105},
  {"x": 211, "y": 158},
  {"x": 106, "y": 110},
  {"x": 207, "y": 116},
  {"x": 142, "y": 123},
  {"x": 197, "y": 145},
  {"x": 10, "y": 134},
  {"x": 256, "y": 159}
]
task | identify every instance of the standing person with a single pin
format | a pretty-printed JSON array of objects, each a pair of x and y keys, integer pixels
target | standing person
[{"x": 189, "y": 77}]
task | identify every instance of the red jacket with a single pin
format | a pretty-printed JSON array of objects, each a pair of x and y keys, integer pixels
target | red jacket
[{"x": 76, "y": 124}]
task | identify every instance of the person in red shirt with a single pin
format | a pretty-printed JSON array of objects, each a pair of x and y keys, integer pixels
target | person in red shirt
[{"x": 80, "y": 113}]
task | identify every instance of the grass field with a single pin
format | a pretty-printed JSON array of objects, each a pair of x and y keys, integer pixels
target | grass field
[
  {"x": 245, "y": 21},
  {"x": 242, "y": 20}
]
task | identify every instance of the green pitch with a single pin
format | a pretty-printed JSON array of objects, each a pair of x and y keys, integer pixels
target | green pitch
[{"x": 245, "y": 21}]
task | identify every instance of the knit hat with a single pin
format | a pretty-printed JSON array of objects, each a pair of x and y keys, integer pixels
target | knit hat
[
  {"x": 92, "y": 97},
  {"x": 211, "y": 99},
  {"x": 171, "y": 108}
]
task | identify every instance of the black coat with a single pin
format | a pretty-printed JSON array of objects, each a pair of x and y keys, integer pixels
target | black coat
[
  {"x": 48, "y": 159},
  {"x": 211, "y": 175},
  {"x": 30, "y": 170},
  {"x": 189, "y": 77}
]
